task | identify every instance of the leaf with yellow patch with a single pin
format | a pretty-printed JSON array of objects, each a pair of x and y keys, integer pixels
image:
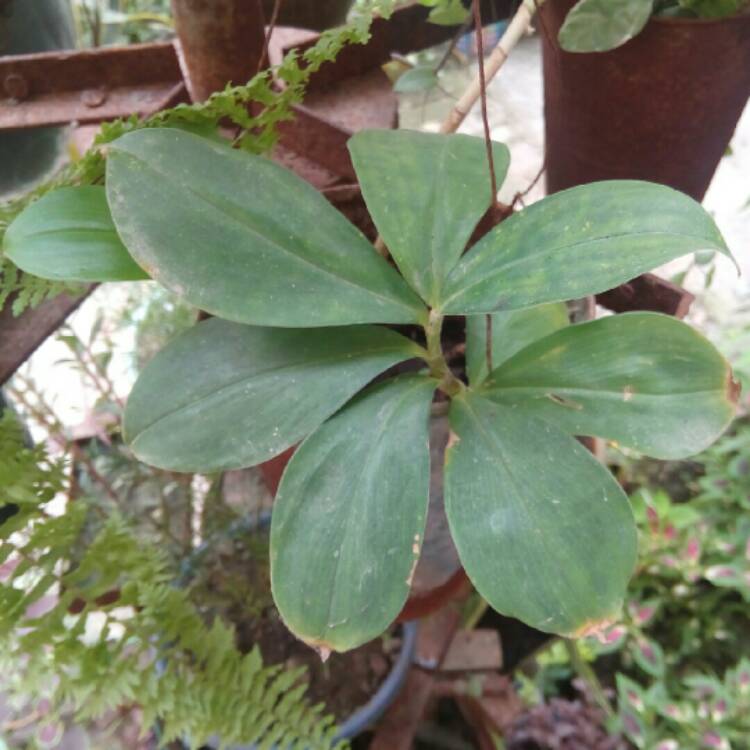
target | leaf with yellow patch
[{"x": 648, "y": 381}]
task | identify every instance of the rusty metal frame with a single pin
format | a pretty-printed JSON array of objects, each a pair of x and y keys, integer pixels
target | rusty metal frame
[
  {"x": 21, "y": 336},
  {"x": 86, "y": 86},
  {"x": 89, "y": 86}
]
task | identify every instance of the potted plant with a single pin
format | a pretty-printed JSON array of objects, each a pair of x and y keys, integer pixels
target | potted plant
[
  {"x": 302, "y": 302},
  {"x": 636, "y": 89},
  {"x": 306, "y": 15}
]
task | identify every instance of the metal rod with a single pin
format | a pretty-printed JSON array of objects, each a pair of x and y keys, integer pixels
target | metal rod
[{"x": 220, "y": 42}]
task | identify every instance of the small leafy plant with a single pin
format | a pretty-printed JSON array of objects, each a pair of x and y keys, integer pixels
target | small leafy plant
[
  {"x": 701, "y": 711},
  {"x": 544, "y": 531},
  {"x": 602, "y": 25}
]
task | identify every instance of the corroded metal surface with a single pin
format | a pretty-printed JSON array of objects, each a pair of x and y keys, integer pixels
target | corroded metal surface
[
  {"x": 21, "y": 336},
  {"x": 219, "y": 42},
  {"x": 648, "y": 292},
  {"x": 662, "y": 107},
  {"x": 322, "y": 14},
  {"x": 54, "y": 88}
]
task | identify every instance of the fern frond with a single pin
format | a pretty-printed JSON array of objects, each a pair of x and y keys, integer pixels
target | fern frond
[{"x": 160, "y": 654}]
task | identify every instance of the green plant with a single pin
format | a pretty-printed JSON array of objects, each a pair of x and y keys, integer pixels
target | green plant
[
  {"x": 686, "y": 619},
  {"x": 601, "y": 25},
  {"x": 701, "y": 711},
  {"x": 88, "y": 631},
  {"x": 688, "y": 600},
  {"x": 544, "y": 531},
  {"x": 446, "y": 12}
]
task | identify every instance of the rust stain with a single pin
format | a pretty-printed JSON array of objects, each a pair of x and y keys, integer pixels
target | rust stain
[
  {"x": 410, "y": 577},
  {"x": 593, "y": 627},
  {"x": 415, "y": 546},
  {"x": 733, "y": 388},
  {"x": 323, "y": 649}
]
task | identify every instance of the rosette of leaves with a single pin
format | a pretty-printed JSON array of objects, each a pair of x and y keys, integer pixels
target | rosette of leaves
[
  {"x": 302, "y": 302},
  {"x": 603, "y": 25}
]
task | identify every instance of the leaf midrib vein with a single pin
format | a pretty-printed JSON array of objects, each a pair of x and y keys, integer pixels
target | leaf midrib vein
[
  {"x": 261, "y": 374},
  {"x": 274, "y": 243},
  {"x": 395, "y": 409},
  {"x": 488, "y": 391},
  {"x": 533, "y": 257}
]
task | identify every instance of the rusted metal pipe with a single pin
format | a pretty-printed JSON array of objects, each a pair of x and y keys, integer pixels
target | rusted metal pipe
[
  {"x": 55, "y": 88},
  {"x": 220, "y": 42}
]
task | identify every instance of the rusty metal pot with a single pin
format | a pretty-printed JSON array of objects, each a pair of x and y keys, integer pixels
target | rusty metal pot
[
  {"x": 306, "y": 14},
  {"x": 662, "y": 107}
]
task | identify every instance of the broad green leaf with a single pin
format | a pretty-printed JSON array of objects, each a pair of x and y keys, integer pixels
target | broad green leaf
[
  {"x": 426, "y": 193},
  {"x": 511, "y": 331},
  {"x": 601, "y": 25},
  {"x": 648, "y": 655},
  {"x": 577, "y": 242},
  {"x": 224, "y": 395},
  {"x": 419, "y": 78},
  {"x": 349, "y": 517},
  {"x": 446, "y": 12},
  {"x": 645, "y": 380},
  {"x": 245, "y": 239},
  {"x": 545, "y": 533},
  {"x": 68, "y": 234}
]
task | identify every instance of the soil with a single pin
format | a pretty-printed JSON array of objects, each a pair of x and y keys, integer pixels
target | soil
[
  {"x": 344, "y": 683},
  {"x": 234, "y": 583}
]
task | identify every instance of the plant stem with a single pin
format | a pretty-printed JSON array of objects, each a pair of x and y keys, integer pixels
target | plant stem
[
  {"x": 449, "y": 383},
  {"x": 479, "y": 30},
  {"x": 495, "y": 61},
  {"x": 586, "y": 673},
  {"x": 476, "y": 613}
]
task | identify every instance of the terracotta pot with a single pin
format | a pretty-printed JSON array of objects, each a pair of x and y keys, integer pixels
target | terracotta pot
[
  {"x": 305, "y": 14},
  {"x": 662, "y": 107}
]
